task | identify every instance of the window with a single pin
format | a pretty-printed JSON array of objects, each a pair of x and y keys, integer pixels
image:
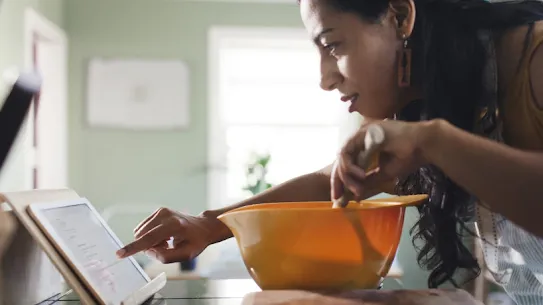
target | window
[{"x": 265, "y": 98}]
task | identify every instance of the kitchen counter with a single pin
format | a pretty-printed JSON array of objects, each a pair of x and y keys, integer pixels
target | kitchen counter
[
  {"x": 246, "y": 292},
  {"x": 188, "y": 292}
]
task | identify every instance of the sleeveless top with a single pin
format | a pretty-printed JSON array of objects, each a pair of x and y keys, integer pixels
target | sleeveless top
[{"x": 513, "y": 256}]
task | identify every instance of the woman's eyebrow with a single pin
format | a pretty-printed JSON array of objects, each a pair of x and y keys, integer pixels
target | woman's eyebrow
[{"x": 318, "y": 37}]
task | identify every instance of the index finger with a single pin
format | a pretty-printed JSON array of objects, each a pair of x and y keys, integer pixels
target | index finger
[
  {"x": 336, "y": 184},
  {"x": 150, "y": 239}
]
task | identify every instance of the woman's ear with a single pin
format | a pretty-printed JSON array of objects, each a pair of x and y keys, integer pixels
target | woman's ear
[{"x": 403, "y": 14}]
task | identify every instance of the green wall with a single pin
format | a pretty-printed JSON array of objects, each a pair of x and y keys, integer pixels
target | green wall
[
  {"x": 163, "y": 168},
  {"x": 159, "y": 168},
  {"x": 12, "y": 55}
]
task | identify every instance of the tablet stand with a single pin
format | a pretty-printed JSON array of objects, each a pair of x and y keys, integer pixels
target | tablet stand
[
  {"x": 19, "y": 201},
  {"x": 147, "y": 291},
  {"x": 31, "y": 263},
  {"x": 30, "y": 276},
  {"x": 7, "y": 227}
]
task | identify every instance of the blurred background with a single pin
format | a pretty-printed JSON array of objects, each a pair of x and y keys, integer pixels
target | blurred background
[{"x": 189, "y": 105}]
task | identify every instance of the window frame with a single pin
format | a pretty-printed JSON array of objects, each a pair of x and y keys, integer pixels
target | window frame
[
  {"x": 218, "y": 36},
  {"x": 216, "y": 143}
]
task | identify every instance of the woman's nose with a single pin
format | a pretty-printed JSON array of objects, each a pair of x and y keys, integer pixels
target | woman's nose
[{"x": 330, "y": 76}]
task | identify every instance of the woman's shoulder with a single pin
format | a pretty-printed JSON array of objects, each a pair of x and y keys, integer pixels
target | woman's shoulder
[{"x": 517, "y": 51}]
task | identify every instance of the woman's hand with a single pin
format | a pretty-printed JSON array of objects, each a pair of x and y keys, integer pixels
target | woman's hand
[
  {"x": 191, "y": 235},
  {"x": 399, "y": 154}
]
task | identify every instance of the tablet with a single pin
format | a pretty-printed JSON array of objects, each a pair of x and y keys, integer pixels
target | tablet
[{"x": 86, "y": 242}]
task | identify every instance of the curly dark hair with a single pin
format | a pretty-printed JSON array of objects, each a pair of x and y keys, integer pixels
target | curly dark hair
[{"x": 449, "y": 57}]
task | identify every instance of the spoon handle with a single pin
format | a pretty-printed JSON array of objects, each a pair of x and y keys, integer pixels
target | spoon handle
[{"x": 374, "y": 138}]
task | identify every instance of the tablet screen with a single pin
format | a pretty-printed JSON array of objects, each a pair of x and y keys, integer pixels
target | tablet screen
[{"x": 93, "y": 248}]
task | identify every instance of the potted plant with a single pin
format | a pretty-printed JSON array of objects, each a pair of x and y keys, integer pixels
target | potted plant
[{"x": 256, "y": 173}]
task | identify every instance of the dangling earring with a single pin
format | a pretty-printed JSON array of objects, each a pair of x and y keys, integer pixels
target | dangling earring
[{"x": 404, "y": 65}]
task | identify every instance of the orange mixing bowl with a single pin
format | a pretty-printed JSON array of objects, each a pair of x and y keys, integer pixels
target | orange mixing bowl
[{"x": 312, "y": 246}]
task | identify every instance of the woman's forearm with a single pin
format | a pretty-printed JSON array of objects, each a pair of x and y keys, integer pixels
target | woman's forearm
[
  {"x": 311, "y": 187},
  {"x": 508, "y": 180}
]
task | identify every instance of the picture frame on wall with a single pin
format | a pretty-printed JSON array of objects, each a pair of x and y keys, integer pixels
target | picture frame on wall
[{"x": 138, "y": 94}]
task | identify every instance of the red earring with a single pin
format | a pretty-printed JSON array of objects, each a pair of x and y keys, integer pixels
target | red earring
[{"x": 404, "y": 65}]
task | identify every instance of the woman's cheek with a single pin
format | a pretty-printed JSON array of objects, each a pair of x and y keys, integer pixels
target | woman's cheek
[
  {"x": 344, "y": 66},
  {"x": 352, "y": 70}
]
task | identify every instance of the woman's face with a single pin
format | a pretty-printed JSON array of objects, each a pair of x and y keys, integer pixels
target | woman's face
[{"x": 358, "y": 58}]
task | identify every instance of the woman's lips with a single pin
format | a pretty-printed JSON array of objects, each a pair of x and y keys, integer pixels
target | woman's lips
[{"x": 350, "y": 98}]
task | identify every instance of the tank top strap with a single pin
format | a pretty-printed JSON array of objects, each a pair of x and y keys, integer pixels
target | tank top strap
[{"x": 536, "y": 38}]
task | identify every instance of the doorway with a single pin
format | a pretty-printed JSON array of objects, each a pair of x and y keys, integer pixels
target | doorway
[
  {"x": 45, "y": 133},
  {"x": 47, "y": 141}
]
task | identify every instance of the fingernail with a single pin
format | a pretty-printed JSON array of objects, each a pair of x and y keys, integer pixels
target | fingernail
[{"x": 121, "y": 253}]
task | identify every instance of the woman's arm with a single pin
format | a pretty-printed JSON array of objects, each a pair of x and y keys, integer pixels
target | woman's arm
[
  {"x": 311, "y": 187},
  {"x": 197, "y": 232},
  {"x": 508, "y": 180}
]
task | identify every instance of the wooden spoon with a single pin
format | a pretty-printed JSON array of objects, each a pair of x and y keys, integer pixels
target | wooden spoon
[{"x": 367, "y": 159}]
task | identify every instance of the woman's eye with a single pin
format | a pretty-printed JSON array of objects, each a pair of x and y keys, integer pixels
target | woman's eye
[{"x": 331, "y": 48}]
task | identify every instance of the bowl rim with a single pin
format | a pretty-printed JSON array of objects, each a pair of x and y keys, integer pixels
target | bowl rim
[{"x": 380, "y": 203}]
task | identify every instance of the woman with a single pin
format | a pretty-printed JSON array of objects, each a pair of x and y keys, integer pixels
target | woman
[{"x": 438, "y": 71}]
